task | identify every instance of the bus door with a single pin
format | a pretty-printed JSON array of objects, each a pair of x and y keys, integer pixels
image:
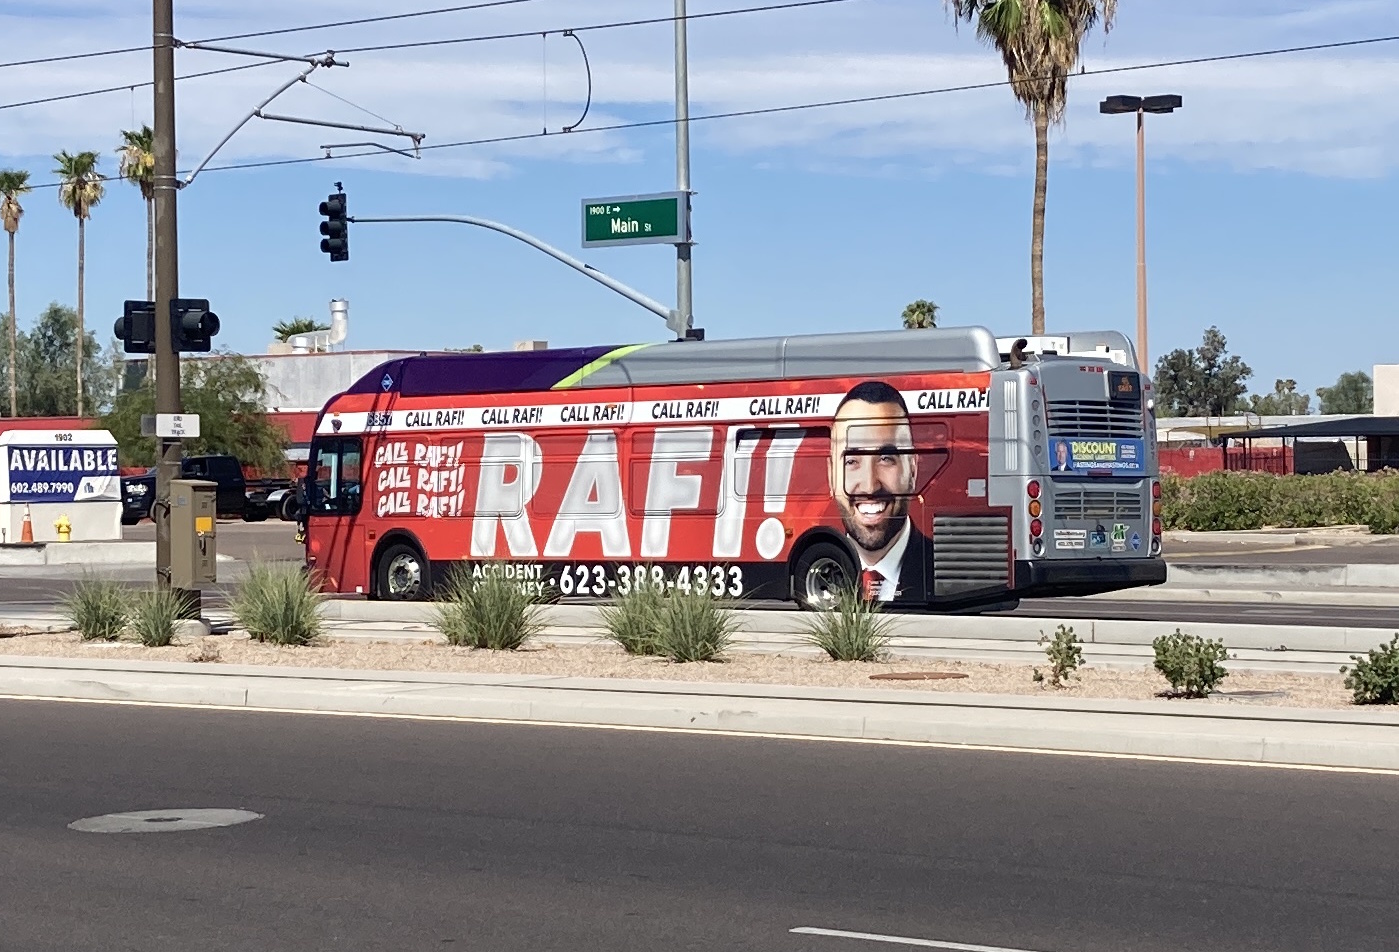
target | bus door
[{"x": 334, "y": 540}]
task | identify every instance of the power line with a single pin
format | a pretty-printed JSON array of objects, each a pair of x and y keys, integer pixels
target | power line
[
  {"x": 800, "y": 107},
  {"x": 280, "y": 32},
  {"x": 616, "y": 24},
  {"x": 829, "y": 103},
  {"x": 123, "y": 88},
  {"x": 795, "y": 4}
]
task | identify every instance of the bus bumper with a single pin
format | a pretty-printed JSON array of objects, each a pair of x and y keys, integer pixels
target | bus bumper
[{"x": 1058, "y": 578}]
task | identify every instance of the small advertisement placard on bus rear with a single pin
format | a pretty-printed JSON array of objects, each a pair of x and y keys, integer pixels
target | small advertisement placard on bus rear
[{"x": 1095, "y": 455}]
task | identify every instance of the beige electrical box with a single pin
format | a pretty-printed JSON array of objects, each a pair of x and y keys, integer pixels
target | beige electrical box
[{"x": 193, "y": 529}]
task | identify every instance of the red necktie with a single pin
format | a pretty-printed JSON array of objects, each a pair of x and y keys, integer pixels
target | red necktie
[{"x": 870, "y": 581}]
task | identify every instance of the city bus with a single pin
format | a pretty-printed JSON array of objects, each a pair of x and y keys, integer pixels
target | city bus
[{"x": 936, "y": 469}]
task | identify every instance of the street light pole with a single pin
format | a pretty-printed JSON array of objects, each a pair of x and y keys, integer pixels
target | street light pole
[
  {"x": 684, "y": 280},
  {"x": 1117, "y": 105},
  {"x": 1142, "y": 361}
]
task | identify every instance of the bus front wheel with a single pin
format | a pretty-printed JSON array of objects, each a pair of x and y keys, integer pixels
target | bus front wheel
[
  {"x": 401, "y": 574},
  {"x": 822, "y": 571}
]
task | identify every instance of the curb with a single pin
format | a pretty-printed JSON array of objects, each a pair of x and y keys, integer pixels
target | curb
[
  {"x": 1271, "y": 736},
  {"x": 1354, "y": 575},
  {"x": 1223, "y": 593}
]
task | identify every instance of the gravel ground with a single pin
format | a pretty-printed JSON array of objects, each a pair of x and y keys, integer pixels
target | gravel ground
[{"x": 606, "y": 661}]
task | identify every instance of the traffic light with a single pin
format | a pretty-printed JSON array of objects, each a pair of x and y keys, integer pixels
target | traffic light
[
  {"x": 136, "y": 327},
  {"x": 192, "y": 325},
  {"x": 336, "y": 228}
]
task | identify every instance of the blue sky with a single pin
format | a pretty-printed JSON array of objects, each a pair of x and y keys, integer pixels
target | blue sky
[{"x": 1271, "y": 195}]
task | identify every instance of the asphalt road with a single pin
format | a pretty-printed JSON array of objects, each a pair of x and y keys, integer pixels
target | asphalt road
[{"x": 394, "y": 835}]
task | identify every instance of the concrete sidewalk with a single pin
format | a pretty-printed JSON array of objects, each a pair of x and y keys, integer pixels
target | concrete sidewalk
[{"x": 1211, "y": 730}]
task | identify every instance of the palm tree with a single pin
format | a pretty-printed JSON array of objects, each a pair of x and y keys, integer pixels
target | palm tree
[
  {"x": 13, "y": 184},
  {"x": 1039, "y": 43},
  {"x": 80, "y": 191},
  {"x": 921, "y": 314},
  {"x": 286, "y": 330},
  {"x": 138, "y": 168}
]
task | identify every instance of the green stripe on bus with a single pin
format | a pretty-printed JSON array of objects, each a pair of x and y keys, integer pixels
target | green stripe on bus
[{"x": 574, "y": 379}]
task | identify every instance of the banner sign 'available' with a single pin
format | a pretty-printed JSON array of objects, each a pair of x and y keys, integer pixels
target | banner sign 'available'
[{"x": 63, "y": 473}]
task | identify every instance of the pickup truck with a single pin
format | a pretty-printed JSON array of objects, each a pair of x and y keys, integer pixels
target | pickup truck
[{"x": 236, "y": 497}]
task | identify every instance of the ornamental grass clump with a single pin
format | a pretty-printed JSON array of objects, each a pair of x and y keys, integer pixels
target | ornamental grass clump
[
  {"x": 854, "y": 629},
  {"x": 633, "y": 621},
  {"x": 695, "y": 626},
  {"x": 99, "y": 608},
  {"x": 279, "y": 603},
  {"x": 153, "y": 616},
  {"x": 486, "y": 611}
]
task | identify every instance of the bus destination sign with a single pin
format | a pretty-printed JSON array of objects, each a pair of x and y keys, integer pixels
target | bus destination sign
[{"x": 660, "y": 219}]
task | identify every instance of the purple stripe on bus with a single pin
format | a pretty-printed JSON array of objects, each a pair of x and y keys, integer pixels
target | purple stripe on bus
[{"x": 436, "y": 375}]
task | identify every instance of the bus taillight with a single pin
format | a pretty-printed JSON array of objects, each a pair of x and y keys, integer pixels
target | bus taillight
[
  {"x": 1155, "y": 490},
  {"x": 1032, "y": 489},
  {"x": 1036, "y": 528}
]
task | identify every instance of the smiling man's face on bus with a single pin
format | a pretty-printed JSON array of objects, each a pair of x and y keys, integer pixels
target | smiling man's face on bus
[{"x": 873, "y": 468}]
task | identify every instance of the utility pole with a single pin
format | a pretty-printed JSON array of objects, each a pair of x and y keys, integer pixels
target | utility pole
[
  {"x": 684, "y": 279},
  {"x": 167, "y": 285}
]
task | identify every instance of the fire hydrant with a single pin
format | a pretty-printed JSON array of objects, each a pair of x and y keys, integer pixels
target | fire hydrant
[{"x": 65, "y": 529}]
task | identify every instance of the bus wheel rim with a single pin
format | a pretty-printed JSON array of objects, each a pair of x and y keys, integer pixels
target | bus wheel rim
[
  {"x": 824, "y": 580},
  {"x": 405, "y": 574}
]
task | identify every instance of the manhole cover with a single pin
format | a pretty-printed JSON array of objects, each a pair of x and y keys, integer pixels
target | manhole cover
[
  {"x": 917, "y": 676},
  {"x": 162, "y": 821}
]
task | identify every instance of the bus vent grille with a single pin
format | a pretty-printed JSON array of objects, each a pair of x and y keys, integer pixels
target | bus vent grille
[
  {"x": 970, "y": 553},
  {"x": 1090, "y": 418},
  {"x": 1107, "y": 504}
]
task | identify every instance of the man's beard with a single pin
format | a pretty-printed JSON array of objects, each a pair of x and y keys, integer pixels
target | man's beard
[{"x": 873, "y": 538}]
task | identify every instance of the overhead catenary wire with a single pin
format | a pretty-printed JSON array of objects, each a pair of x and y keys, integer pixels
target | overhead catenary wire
[
  {"x": 619, "y": 24},
  {"x": 336, "y": 24},
  {"x": 799, "y": 107}
]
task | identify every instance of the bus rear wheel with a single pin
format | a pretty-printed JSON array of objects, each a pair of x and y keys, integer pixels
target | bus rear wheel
[
  {"x": 823, "y": 570},
  {"x": 401, "y": 574}
]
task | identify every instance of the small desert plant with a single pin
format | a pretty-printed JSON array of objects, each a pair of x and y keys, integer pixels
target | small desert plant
[
  {"x": 1064, "y": 654},
  {"x": 854, "y": 629},
  {"x": 634, "y": 620},
  {"x": 1375, "y": 678},
  {"x": 695, "y": 626},
  {"x": 278, "y": 603},
  {"x": 206, "y": 653},
  {"x": 154, "y": 614},
  {"x": 99, "y": 608},
  {"x": 1192, "y": 664},
  {"x": 490, "y": 611}
]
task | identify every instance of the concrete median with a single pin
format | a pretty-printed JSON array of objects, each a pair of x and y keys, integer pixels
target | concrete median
[{"x": 1197, "y": 730}]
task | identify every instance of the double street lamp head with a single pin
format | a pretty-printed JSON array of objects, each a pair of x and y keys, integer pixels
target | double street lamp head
[{"x": 1116, "y": 105}]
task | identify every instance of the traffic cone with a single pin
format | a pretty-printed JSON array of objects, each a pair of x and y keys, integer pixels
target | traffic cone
[{"x": 26, "y": 533}]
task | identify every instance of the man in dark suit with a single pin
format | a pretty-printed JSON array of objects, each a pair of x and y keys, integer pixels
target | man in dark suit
[{"x": 874, "y": 472}]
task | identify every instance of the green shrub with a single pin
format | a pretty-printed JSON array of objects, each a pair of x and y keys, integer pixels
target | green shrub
[
  {"x": 695, "y": 626},
  {"x": 1064, "y": 654},
  {"x": 634, "y": 620},
  {"x": 99, "y": 608},
  {"x": 489, "y": 611},
  {"x": 1375, "y": 678},
  {"x": 853, "y": 630},
  {"x": 278, "y": 603},
  {"x": 1242, "y": 500},
  {"x": 154, "y": 614},
  {"x": 1192, "y": 664}
]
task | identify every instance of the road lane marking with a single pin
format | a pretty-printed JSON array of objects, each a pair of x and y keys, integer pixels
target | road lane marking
[
  {"x": 904, "y": 940},
  {"x": 719, "y": 732}
]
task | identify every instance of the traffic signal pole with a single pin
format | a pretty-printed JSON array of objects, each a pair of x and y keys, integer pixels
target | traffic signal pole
[{"x": 167, "y": 285}]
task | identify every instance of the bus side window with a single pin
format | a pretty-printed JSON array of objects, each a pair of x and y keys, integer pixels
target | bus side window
[
  {"x": 336, "y": 469},
  {"x": 794, "y": 457}
]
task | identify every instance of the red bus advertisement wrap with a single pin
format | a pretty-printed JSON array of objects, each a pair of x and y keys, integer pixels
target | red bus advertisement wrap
[{"x": 582, "y": 492}]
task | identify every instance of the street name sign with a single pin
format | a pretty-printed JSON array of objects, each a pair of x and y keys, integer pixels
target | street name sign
[{"x": 659, "y": 219}]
